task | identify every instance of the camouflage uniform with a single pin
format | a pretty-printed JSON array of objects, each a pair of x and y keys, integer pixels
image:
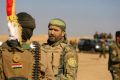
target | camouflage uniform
[
  {"x": 103, "y": 50},
  {"x": 63, "y": 57},
  {"x": 115, "y": 61}
]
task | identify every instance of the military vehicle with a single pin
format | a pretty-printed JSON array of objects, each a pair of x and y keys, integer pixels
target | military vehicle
[
  {"x": 86, "y": 44},
  {"x": 93, "y": 45}
]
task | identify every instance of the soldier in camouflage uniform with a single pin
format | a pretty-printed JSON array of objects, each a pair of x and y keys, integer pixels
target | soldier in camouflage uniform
[
  {"x": 103, "y": 49},
  {"x": 63, "y": 58},
  {"x": 73, "y": 42},
  {"x": 115, "y": 58},
  {"x": 23, "y": 62}
]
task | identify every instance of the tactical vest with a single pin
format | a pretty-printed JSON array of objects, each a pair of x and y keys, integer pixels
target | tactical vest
[{"x": 56, "y": 56}]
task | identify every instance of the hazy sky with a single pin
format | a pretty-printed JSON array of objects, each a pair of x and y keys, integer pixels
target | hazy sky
[{"x": 83, "y": 17}]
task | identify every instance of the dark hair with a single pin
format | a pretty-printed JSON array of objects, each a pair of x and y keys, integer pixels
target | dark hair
[
  {"x": 117, "y": 33},
  {"x": 27, "y": 23},
  {"x": 26, "y": 20}
]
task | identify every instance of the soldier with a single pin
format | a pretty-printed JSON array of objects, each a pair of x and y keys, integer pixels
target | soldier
[
  {"x": 96, "y": 36},
  {"x": 63, "y": 58},
  {"x": 23, "y": 62},
  {"x": 73, "y": 42},
  {"x": 109, "y": 36},
  {"x": 114, "y": 62},
  {"x": 103, "y": 49}
]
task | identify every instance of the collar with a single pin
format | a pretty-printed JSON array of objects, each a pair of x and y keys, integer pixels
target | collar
[{"x": 25, "y": 45}]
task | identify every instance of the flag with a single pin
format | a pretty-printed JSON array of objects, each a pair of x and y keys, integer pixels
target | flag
[{"x": 15, "y": 30}]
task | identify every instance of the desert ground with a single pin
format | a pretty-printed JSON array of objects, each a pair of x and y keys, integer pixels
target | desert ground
[{"x": 91, "y": 66}]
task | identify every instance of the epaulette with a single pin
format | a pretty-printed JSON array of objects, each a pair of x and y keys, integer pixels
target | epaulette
[{"x": 5, "y": 46}]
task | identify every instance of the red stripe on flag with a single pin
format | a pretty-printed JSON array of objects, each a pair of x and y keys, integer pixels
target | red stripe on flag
[{"x": 9, "y": 7}]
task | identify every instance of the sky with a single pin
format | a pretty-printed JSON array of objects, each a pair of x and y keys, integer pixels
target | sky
[{"x": 82, "y": 17}]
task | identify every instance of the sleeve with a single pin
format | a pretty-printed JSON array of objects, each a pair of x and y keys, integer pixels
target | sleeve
[
  {"x": 114, "y": 54},
  {"x": 70, "y": 65}
]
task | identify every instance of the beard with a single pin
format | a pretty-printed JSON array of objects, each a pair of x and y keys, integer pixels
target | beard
[{"x": 52, "y": 39}]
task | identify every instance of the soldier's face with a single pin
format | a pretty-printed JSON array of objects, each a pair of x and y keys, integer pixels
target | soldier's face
[
  {"x": 55, "y": 33},
  {"x": 118, "y": 40}
]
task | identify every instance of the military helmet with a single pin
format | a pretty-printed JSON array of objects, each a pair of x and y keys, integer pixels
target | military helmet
[
  {"x": 117, "y": 33},
  {"x": 58, "y": 22},
  {"x": 26, "y": 20}
]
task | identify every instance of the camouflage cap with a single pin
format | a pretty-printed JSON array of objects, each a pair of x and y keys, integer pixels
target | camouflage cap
[
  {"x": 117, "y": 33},
  {"x": 58, "y": 22},
  {"x": 26, "y": 20}
]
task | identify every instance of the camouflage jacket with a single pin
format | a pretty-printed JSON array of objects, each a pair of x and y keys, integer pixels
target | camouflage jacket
[
  {"x": 114, "y": 57},
  {"x": 63, "y": 59}
]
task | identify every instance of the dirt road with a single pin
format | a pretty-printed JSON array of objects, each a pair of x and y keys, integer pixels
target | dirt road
[{"x": 92, "y": 67}]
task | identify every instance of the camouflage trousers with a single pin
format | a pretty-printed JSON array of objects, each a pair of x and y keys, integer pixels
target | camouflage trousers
[
  {"x": 102, "y": 54},
  {"x": 115, "y": 75}
]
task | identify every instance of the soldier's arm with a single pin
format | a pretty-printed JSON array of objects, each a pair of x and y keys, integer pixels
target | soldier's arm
[
  {"x": 71, "y": 65},
  {"x": 114, "y": 54}
]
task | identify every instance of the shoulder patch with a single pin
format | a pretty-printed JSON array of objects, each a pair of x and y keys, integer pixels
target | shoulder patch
[{"x": 72, "y": 62}]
